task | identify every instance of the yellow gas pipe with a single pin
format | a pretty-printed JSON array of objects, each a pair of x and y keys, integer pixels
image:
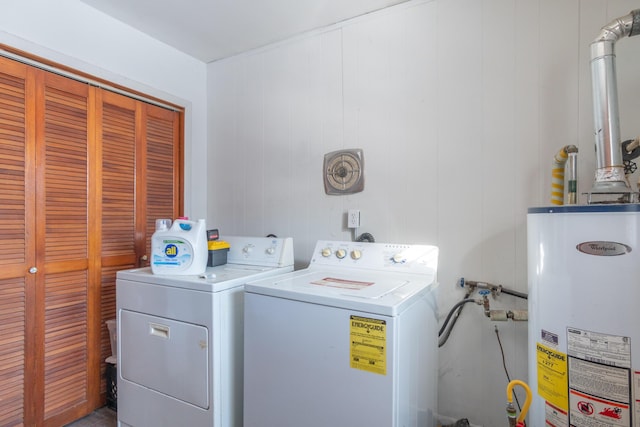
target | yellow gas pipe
[{"x": 511, "y": 411}]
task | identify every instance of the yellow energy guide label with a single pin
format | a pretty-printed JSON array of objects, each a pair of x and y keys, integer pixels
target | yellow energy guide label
[
  {"x": 368, "y": 344},
  {"x": 552, "y": 376}
]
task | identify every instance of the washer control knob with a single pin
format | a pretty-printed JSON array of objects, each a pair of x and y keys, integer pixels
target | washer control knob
[
  {"x": 356, "y": 254},
  {"x": 271, "y": 250},
  {"x": 398, "y": 259},
  {"x": 247, "y": 249},
  {"x": 326, "y": 252},
  {"x": 341, "y": 253}
]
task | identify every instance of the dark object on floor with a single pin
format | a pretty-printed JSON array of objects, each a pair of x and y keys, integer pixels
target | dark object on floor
[{"x": 112, "y": 386}]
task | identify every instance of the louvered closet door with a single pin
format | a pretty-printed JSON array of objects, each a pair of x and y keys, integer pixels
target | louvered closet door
[
  {"x": 64, "y": 283},
  {"x": 141, "y": 177},
  {"x": 162, "y": 182},
  {"x": 84, "y": 173},
  {"x": 16, "y": 238},
  {"x": 140, "y": 145},
  {"x": 117, "y": 138}
]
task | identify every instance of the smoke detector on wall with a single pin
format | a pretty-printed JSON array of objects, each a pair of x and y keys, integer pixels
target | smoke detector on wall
[{"x": 344, "y": 171}]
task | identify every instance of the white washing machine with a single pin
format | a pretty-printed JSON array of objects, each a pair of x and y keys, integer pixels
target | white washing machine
[
  {"x": 349, "y": 341},
  {"x": 180, "y": 338}
]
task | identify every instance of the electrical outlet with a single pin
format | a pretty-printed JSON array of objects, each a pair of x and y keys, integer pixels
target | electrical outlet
[{"x": 353, "y": 218}]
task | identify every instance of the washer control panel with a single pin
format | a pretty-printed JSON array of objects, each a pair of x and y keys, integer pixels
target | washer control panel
[{"x": 375, "y": 255}]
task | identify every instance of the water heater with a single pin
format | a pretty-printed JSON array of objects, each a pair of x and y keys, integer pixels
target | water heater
[{"x": 584, "y": 319}]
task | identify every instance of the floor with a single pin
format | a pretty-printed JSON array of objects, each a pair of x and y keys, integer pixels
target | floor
[{"x": 103, "y": 417}]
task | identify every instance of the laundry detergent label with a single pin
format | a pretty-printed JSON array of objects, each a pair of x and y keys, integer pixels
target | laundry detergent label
[
  {"x": 174, "y": 253},
  {"x": 368, "y": 344}
]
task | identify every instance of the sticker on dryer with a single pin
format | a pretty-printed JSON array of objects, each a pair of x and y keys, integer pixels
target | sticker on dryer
[{"x": 368, "y": 344}]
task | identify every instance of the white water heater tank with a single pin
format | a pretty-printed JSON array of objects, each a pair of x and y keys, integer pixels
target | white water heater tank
[{"x": 584, "y": 316}]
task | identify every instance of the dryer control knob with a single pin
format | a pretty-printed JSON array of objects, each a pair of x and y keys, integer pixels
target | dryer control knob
[
  {"x": 326, "y": 252},
  {"x": 271, "y": 251},
  {"x": 341, "y": 253},
  {"x": 356, "y": 254},
  {"x": 247, "y": 249}
]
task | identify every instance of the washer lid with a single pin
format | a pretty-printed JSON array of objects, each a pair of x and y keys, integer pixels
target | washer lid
[{"x": 374, "y": 292}]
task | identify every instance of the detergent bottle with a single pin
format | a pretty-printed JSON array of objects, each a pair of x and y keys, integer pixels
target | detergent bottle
[{"x": 181, "y": 249}]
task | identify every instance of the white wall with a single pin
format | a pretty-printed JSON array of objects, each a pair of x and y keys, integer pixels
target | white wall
[
  {"x": 73, "y": 34},
  {"x": 459, "y": 106}
]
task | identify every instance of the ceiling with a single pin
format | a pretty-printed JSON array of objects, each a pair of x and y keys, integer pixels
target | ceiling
[{"x": 213, "y": 29}]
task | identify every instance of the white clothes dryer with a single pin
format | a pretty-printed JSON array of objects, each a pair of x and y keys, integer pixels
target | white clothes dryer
[
  {"x": 180, "y": 338},
  {"x": 349, "y": 341}
]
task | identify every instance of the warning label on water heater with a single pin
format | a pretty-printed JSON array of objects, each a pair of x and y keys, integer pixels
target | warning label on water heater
[
  {"x": 368, "y": 339},
  {"x": 552, "y": 376},
  {"x": 600, "y": 380},
  {"x": 600, "y": 348}
]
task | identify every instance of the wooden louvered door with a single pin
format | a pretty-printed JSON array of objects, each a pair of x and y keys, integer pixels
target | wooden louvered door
[
  {"x": 45, "y": 283},
  {"x": 161, "y": 163},
  {"x": 63, "y": 304},
  {"x": 17, "y": 236},
  {"x": 140, "y": 169},
  {"x": 117, "y": 138},
  {"x": 84, "y": 173}
]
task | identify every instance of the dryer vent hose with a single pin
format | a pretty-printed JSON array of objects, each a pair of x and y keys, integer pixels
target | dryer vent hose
[
  {"x": 366, "y": 237},
  {"x": 568, "y": 152}
]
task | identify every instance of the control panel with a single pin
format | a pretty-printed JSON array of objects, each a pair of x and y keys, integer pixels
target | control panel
[
  {"x": 260, "y": 251},
  {"x": 375, "y": 255}
]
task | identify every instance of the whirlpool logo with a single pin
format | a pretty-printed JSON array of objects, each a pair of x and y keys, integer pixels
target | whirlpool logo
[{"x": 603, "y": 248}]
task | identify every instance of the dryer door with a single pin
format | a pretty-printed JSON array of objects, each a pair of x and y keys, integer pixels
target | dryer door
[{"x": 165, "y": 355}]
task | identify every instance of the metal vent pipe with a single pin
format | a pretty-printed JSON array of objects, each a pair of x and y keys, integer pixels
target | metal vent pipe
[{"x": 609, "y": 176}]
